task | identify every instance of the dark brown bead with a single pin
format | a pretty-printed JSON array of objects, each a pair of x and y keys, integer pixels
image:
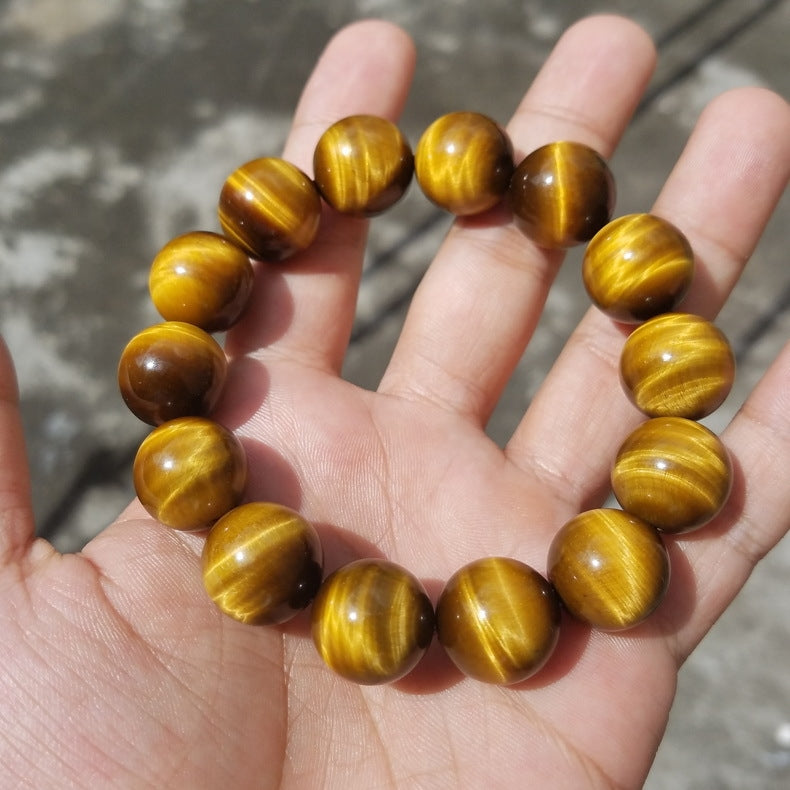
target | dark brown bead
[
  {"x": 171, "y": 370},
  {"x": 562, "y": 194},
  {"x": 637, "y": 267},
  {"x": 189, "y": 472},
  {"x": 498, "y": 620},
  {"x": 201, "y": 278},
  {"x": 673, "y": 473},
  {"x": 677, "y": 365},
  {"x": 262, "y": 563},
  {"x": 372, "y": 621},
  {"x": 463, "y": 162},
  {"x": 610, "y": 568},
  {"x": 362, "y": 165},
  {"x": 270, "y": 208}
]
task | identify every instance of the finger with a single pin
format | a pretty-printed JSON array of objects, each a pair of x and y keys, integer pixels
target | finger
[
  {"x": 16, "y": 510},
  {"x": 474, "y": 312},
  {"x": 304, "y": 309},
  {"x": 580, "y": 415},
  {"x": 725, "y": 552}
]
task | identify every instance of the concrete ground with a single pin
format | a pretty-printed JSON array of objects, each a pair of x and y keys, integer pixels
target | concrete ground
[{"x": 119, "y": 119}]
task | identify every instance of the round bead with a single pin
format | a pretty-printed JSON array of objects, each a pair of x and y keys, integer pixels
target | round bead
[
  {"x": 171, "y": 370},
  {"x": 610, "y": 568},
  {"x": 673, "y": 473},
  {"x": 677, "y": 365},
  {"x": 189, "y": 472},
  {"x": 270, "y": 208},
  {"x": 562, "y": 194},
  {"x": 637, "y": 267},
  {"x": 464, "y": 162},
  {"x": 201, "y": 278},
  {"x": 498, "y": 620},
  {"x": 262, "y": 563},
  {"x": 362, "y": 165},
  {"x": 372, "y": 621}
]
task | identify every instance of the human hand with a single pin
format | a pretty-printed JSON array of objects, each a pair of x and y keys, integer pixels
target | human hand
[{"x": 117, "y": 670}]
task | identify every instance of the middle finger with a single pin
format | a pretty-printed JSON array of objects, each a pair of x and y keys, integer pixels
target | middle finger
[{"x": 480, "y": 300}]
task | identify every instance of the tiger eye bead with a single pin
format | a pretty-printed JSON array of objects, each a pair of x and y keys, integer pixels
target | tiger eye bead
[
  {"x": 189, "y": 472},
  {"x": 270, "y": 208},
  {"x": 362, "y": 165},
  {"x": 372, "y": 621},
  {"x": 201, "y": 278},
  {"x": 463, "y": 163},
  {"x": 262, "y": 563},
  {"x": 498, "y": 620},
  {"x": 610, "y": 568},
  {"x": 673, "y": 473},
  {"x": 637, "y": 267},
  {"x": 677, "y": 365},
  {"x": 171, "y": 370},
  {"x": 562, "y": 194}
]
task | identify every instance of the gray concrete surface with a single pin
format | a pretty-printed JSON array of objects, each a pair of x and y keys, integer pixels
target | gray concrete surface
[{"x": 119, "y": 120}]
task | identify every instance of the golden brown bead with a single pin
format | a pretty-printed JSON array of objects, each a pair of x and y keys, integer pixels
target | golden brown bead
[
  {"x": 677, "y": 365},
  {"x": 498, "y": 620},
  {"x": 562, "y": 194},
  {"x": 362, "y": 165},
  {"x": 189, "y": 472},
  {"x": 171, "y": 370},
  {"x": 372, "y": 621},
  {"x": 637, "y": 267},
  {"x": 262, "y": 563},
  {"x": 463, "y": 162},
  {"x": 201, "y": 278},
  {"x": 270, "y": 208},
  {"x": 610, "y": 568},
  {"x": 673, "y": 473}
]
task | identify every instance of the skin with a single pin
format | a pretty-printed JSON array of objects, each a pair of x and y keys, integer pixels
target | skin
[{"x": 117, "y": 671}]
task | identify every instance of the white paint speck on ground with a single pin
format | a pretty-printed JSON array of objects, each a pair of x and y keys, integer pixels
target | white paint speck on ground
[
  {"x": 782, "y": 735},
  {"x": 26, "y": 179},
  {"x": 55, "y": 22},
  {"x": 115, "y": 177},
  {"x": 713, "y": 77},
  {"x": 540, "y": 23},
  {"x": 34, "y": 260},
  {"x": 41, "y": 366},
  {"x": 14, "y": 107},
  {"x": 158, "y": 23}
]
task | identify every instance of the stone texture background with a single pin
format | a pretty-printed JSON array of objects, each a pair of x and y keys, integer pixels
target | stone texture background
[{"x": 119, "y": 120}]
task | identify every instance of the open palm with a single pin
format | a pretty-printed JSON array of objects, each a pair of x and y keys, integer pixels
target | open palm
[{"x": 118, "y": 671}]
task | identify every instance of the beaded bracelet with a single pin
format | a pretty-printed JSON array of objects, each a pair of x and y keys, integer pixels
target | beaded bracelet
[{"x": 497, "y": 618}]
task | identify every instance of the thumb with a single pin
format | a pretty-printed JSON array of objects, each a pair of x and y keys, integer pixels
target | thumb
[{"x": 16, "y": 509}]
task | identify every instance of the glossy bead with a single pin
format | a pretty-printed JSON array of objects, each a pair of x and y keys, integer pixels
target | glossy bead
[
  {"x": 610, "y": 568},
  {"x": 677, "y": 365},
  {"x": 262, "y": 563},
  {"x": 463, "y": 163},
  {"x": 362, "y": 165},
  {"x": 270, "y": 208},
  {"x": 562, "y": 194},
  {"x": 673, "y": 473},
  {"x": 201, "y": 278},
  {"x": 637, "y": 267},
  {"x": 498, "y": 620},
  {"x": 189, "y": 472},
  {"x": 372, "y": 621},
  {"x": 171, "y": 370}
]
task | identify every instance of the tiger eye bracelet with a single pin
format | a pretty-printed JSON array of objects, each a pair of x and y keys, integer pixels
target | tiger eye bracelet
[{"x": 497, "y": 619}]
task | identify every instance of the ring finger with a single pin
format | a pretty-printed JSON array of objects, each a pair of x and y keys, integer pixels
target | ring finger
[{"x": 722, "y": 210}]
